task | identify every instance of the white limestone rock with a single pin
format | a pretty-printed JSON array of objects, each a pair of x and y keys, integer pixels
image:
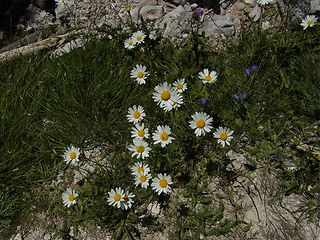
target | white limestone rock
[
  {"x": 177, "y": 21},
  {"x": 251, "y": 3},
  {"x": 255, "y": 13},
  {"x": 315, "y": 6},
  {"x": 218, "y": 24},
  {"x": 150, "y": 13},
  {"x": 65, "y": 9}
]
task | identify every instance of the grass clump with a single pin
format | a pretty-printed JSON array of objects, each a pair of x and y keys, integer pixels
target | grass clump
[{"x": 81, "y": 99}]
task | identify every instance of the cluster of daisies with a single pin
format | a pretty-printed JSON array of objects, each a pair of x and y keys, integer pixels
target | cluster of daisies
[
  {"x": 135, "y": 39},
  {"x": 167, "y": 96},
  {"x": 308, "y": 21}
]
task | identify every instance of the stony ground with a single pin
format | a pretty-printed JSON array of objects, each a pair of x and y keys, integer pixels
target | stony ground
[{"x": 271, "y": 218}]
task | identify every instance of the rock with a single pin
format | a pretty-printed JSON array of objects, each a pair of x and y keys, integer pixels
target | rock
[
  {"x": 255, "y": 13},
  {"x": 194, "y": 6},
  {"x": 239, "y": 6},
  {"x": 187, "y": 7},
  {"x": 315, "y": 6},
  {"x": 177, "y": 21},
  {"x": 237, "y": 23},
  {"x": 64, "y": 10},
  {"x": 251, "y": 3},
  {"x": 154, "y": 208},
  {"x": 179, "y": 2},
  {"x": 68, "y": 47},
  {"x": 218, "y": 24},
  {"x": 150, "y": 13}
]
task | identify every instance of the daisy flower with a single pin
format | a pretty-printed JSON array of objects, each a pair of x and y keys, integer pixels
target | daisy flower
[
  {"x": 139, "y": 74},
  {"x": 71, "y": 155},
  {"x": 69, "y": 197},
  {"x": 135, "y": 114},
  {"x": 266, "y": 25},
  {"x": 161, "y": 183},
  {"x": 139, "y": 37},
  {"x": 139, "y": 148},
  {"x": 116, "y": 197},
  {"x": 309, "y": 21},
  {"x": 264, "y": 2},
  {"x": 224, "y": 135},
  {"x": 140, "y": 168},
  {"x": 129, "y": 43},
  {"x": 127, "y": 200},
  {"x": 143, "y": 179},
  {"x": 201, "y": 123},
  {"x": 167, "y": 97},
  {"x": 208, "y": 77},
  {"x": 181, "y": 85},
  {"x": 139, "y": 131},
  {"x": 162, "y": 135}
]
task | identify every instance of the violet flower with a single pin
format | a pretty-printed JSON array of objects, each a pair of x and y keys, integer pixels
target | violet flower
[
  {"x": 253, "y": 68},
  {"x": 206, "y": 100},
  {"x": 197, "y": 12},
  {"x": 276, "y": 156},
  {"x": 244, "y": 95}
]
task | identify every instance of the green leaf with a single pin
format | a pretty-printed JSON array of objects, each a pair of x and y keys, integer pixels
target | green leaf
[
  {"x": 246, "y": 228},
  {"x": 206, "y": 200}
]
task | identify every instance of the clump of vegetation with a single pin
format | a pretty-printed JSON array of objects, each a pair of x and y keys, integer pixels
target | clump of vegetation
[{"x": 258, "y": 97}]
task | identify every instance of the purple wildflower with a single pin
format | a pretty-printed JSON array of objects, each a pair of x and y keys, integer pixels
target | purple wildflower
[
  {"x": 205, "y": 100},
  {"x": 254, "y": 68},
  {"x": 266, "y": 131},
  {"x": 197, "y": 12},
  {"x": 244, "y": 95},
  {"x": 100, "y": 59},
  {"x": 248, "y": 72},
  {"x": 276, "y": 156}
]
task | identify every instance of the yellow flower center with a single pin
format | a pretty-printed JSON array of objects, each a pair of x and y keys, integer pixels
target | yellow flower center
[
  {"x": 309, "y": 22},
  {"x": 73, "y": 155},
  {"x": 140, "y": 148},
  {"x": 62, "y": 1},
  {"x": 201, "y": 123},
  {"x": 165, "y": 95},
  {"x": 265, "y": 26},
  {"x": 165, "y": 22},
  {"x": 180, "y": 86},
  {"x": 139, "y": 38},
  {"x": 71, "y": 197},
  {"x": 163, "y": 183},
  {"x": 140, "y": 169},
  {"x": 140, "y": 133},
  {"x": 125, "y": 199},
  {"x": 136, "y": 115},
  {"x": 223, "y": 136},
  {"x": 128, "y": 8},
  {"x": 164, "y": 136},
  {"x": 140, "y": 75},
  {"x": 117, "y": 197},
  {"x": 130, "y": 43},
  {"x": 246, "y": 10},
  {"x": 143, "y": 178},
  {"x": 207, "y": 78}
]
